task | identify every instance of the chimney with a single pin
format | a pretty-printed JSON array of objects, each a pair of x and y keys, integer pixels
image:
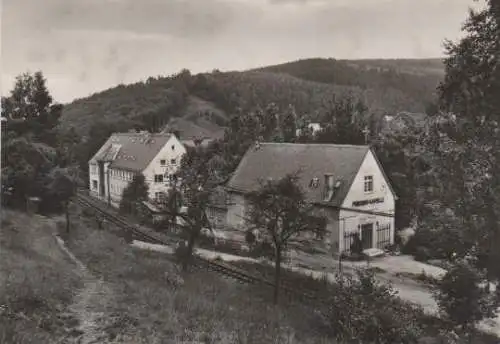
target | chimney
[{"x": 329, "y": 187}]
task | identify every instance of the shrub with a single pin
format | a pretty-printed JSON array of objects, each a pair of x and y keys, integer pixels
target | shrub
[
  {"x": 262, "y": 249},
  {"x": 180, "y": 252},
  {"x": 206, "y": 240},
  {"x": 365, "y": 311},
  {"x": 462, "y": 299},
  {"x": 439, "y": 244},
  {"x": 422, "y": 254},
  {"x": 250, "y": 238}
]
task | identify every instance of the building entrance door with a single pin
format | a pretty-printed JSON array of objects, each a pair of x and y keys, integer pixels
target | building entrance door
[
  {"x": 367, "y": 235},
  {"x": 102, "y": 189}
]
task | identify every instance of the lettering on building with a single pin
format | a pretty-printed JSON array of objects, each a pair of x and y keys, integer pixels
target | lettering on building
[{"x": 367, "y": 201}]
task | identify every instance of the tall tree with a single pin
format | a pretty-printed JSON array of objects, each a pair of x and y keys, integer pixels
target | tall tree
[
  {"x": 468, "y": 134},
  {"x": 279, "y": 210},
  {"x": 288, "y": 126},
  {"x": 31, "y": 101},
  {"x": 199, "y": 174},
  {"x": 135, "y": 192},
  {"x": 342, "y": 123},
  {"x": 406, "y": 163},
  {"x": 461, "y": 298},
  {"x": 24, "y": 168},
  {"x": 268, "y": 119},
  {"x": 61, "y": 188}
]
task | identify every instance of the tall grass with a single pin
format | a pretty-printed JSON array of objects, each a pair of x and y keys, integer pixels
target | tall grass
[
  {"x": 37, "y": 281},
  {"x": 155, "y": 302}
]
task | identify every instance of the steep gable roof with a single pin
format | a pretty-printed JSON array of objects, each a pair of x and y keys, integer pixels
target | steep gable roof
[
  {"x": 131, "y": 151},
  {"x": 311, "y": 161},
  {"x": 204, "y": 142}
]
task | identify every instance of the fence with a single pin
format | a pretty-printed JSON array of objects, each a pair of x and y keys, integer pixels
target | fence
[
  {"x": 348, "y": 240},
  {"x": 383, "y": 236}
]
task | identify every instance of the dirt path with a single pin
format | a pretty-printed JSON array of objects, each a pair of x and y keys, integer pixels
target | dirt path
[{"x": 88, "y": 308}]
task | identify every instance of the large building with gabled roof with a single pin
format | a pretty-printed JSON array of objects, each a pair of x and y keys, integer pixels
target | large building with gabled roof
[
  {"x": 346, "y": 184},
  {"x": 156, "y": 156}
]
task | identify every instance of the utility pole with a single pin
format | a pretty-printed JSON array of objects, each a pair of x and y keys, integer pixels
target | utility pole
[{"x": 366, "y": 131}]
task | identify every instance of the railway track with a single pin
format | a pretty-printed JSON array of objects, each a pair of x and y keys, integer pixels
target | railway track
[{"x": 238, "y": 274}]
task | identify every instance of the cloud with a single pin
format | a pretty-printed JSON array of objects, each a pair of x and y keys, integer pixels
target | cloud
[{"x": 94, "y": 44}]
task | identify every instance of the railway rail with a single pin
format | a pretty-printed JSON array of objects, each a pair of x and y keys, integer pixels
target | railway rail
[{"x": 224, "y": 269}]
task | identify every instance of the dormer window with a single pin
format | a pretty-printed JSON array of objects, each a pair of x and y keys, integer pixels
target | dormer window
[
  {"x": 368, "y": 184},
  {"x": 314, "y": 183}
]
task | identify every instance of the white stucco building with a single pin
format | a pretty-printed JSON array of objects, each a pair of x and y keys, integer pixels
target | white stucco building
[
  {"x": 345, "y": 183},
  {"x": 156, "y": 156}
]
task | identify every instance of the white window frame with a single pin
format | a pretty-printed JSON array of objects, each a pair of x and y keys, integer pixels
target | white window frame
[{"x": 368, "y": 186}]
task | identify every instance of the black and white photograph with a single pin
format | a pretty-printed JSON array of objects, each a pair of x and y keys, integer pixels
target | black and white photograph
[{"x": 250, "y": 172}]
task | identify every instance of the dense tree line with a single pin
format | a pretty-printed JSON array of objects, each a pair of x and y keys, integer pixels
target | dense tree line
[
  {"x": 35, "y": 160},
  {"x": 151, "y": 104},
  {"x": 365, "y": 76}
]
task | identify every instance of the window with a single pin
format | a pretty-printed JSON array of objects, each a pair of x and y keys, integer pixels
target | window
[
  {"x": 173, "y": 147},
  {"x": 314, "y": 183},
  {"x": 94, "y": 184},
  {"x": 159, "y": 196},
  {"x": 172, "y": 179},
  {"x": 172, "y": 161},
  {"x": 163, "y": 162},
  {"x": 158, "y": 178},
  {"x": 368, "y": 183}
]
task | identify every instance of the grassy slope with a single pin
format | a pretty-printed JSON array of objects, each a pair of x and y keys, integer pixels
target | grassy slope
[
  {"x": 206, "y": 308},
  {"x": 200, "y": 118},
  {"x": 37, "y": 280},
  {"x": 307, "y": 84},
  {"x": 143, "y": 305}
]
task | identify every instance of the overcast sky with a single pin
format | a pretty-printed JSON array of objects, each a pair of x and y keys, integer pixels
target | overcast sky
[{"x": 84, "y": 46}]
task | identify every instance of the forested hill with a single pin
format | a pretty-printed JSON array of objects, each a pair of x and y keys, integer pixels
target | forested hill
[
  {"x": 207, "y": 100},
  {"x": 416, "y": 78}
]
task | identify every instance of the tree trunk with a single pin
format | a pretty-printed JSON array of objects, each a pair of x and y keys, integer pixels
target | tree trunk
[
  {"x": 277, "y": 274},
  {"x": 66, "y": 211},
  {"x": 189, "y": 252}
]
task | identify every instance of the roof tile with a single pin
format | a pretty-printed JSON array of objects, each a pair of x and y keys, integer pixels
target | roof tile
[
  {"x": 311, "y": 161},
  {"x": 131, "y": 151}
]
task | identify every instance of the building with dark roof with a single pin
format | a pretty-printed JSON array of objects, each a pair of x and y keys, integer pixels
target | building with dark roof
[
  {"x": 197, "y": 142},
  {"x": 346, "y": 184},
  {"x": 156, "y": 156}
]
